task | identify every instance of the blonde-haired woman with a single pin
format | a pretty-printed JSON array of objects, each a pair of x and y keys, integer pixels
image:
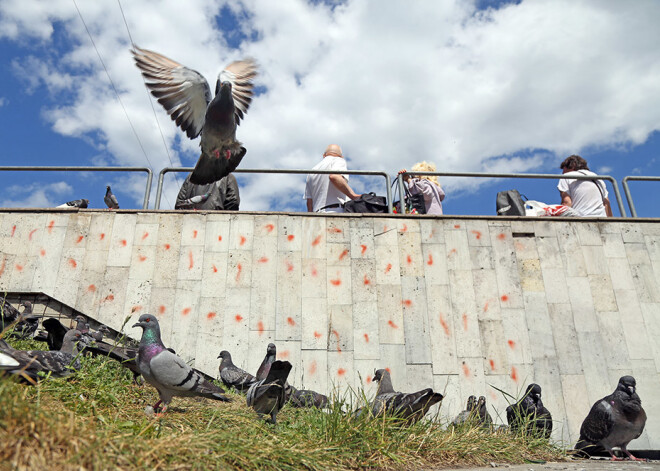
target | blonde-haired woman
[{"x": 427, "y": 185}]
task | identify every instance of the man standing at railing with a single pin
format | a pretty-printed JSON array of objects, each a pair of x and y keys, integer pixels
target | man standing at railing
[
  {"x": 219, "y": 195},
  {"x": 587, "y": 197},
  {"x": 326, "y": 193}
]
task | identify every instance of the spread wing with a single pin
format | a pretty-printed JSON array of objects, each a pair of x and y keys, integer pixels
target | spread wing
[
  {"x": 240, "y": 74},
  {"x": 183, "y": 92}
]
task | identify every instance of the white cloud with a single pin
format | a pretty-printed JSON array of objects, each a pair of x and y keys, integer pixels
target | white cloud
[
  {"x": 37, "y": 195},
  {"x": 392, "y": 82}
]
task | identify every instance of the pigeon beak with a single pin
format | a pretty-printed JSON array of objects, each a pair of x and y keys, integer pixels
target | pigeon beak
[{"x": 137, "y": 324}]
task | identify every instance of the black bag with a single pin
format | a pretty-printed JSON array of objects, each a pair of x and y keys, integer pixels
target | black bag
[
  {"x": 366, "y": 203},
  {"x": 510, "y": 203},
  {"x": 415, "y": 201}
]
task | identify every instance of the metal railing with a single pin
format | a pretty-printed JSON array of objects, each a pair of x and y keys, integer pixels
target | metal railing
[
  {"x": 147, "y": 191},
  {"x": 626, "y": 190},
  {"x": 609, "y": 178},
  {"x": 388, "y": 197}
]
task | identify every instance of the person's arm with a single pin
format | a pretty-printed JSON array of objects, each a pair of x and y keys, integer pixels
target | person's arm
[
  {"x": 342, "y": 185},
  {"x": 566, "y": 199},
  {"x": 608, "y": 207},
  {"x": 310, "y": 205},
  {"x": 232, "y": 197}
]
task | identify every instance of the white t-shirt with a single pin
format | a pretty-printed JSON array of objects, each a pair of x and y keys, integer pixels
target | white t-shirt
[
  {"x": 319, "y": 188},
  {"x": 586, "y": 198}
]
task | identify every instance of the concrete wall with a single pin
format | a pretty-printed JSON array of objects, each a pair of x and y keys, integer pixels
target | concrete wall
[{"x": 458, "y": 304}]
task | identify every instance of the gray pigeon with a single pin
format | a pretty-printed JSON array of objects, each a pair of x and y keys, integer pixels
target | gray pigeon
[
  {"x": 82, "y": 203},
  {"x": 469, "y": 413},
  {"x": 412, "y": 406},
  {"x": 614, "y": 421},
  {"x": 482, "y": 412},
  {"x": 268, "y": 395},
  {"x": 99, "y": 334},
  {"x": 29, "y": 363},
  {"x": 110, "y": 199},
  {"x": 531, "y": 412},
  {"x": 307, "y": 398},
  {"x": 186, "y": 96},
  {"x": 232, "y": 376},
  {"x": 165, "y": 371},
  {"x": 28, "y": 323},
  {"x": 8, "y": 314},
  {"x": 264, "y": 368}
]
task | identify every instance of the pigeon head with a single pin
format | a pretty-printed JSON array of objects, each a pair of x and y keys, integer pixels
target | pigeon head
[
  {"x": 482, "y": 402},
  {"x": 147, "y": 321},
  {"x": 271, "y": 349},
  {"x": 26, "y": 304},
  {"x": 627, "y": 384},
  {"x": 534, "y": 391},
  {"x": 471, "y": 402},
  {"x": 380, "y": 374},
  {"x": 104, "y": 329},
  {"x": 225, "y": 355}
]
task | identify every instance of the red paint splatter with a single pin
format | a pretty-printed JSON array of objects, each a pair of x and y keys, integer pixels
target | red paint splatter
[
  {"x": 366, "y": 337},
  {"x": 123, "y": 242},
  {"x": 42, "y": 252},
  {"x": 191, "y": 262},
  {"x": 219, "y": 238},
  {"x": 336, "y": 282},
  {"x": 404, "y": 228},
  {"x": 514, "y": 374},
  {"x": 269, "y": 227},
  {"x": 260, "y": 327},
  {"x": 161, "y": 309},
  {"x": 13, "y": 230},
  {"x": 465, "y": 322},
  {"x": 444, "y": 325},
  {"x": 316, "y": 241},
  {"x": 290, "y": 321},
  {"x": 387, "y": 368},
  {"x": 477, "y": 234},
  {"x": 334, "y": 230},
  {"x": 504, "y": 298},
  {"x": 263, "y": 260},
  {"x": 366, "y": 280},
  {"x": 369, "y": 379},
  {"x": 136, "y": 308},
  {"x": 336, "y": 334},
  {"x": 430, "y": 260},
  {"x": 283, "y": 354},
  {"x": 211, "y": 315},
  {"x": 388, "y": 268},
  {"x": 91, "y": 288},
  {"x": 406, "y": 302},
  {"x": 466, "y": 370},
  {"x": 486, "y": 307},
  {"x": 289, "y": 266},
  {"x": 214, "y": 268},
  {"x": 239, "y": 269},
  {"x": 79, "y": 239},
  {"x": 364, "y": 248},
  {"x": 290, "y": 237},
  {"x": 145, "y": 235},
  {"x": 408, "y": 259},
  {"x": 315, "y": 272},
  {"x": 512, "y": 344},
  {"x": 194, "y": 233},
  {"x": 392, "y": 324},
  {"x": 341, "y": 372},
  {"x": 31, "y": 234},
  {"x": 109, "y": 298},
  {"x": 167, "y": 246},
  {"x": 2, "y": 267},
  {"x": 452, "y": 251},
  {"x": 18, "y": 267},
  {"x": 185, "y": 311},
  {"x": 491, "y": 362},
  {"x": 385, "y": 228},
  {"x": 242, "y": 240},
  {"x": 142, "y": 258},
  {"x": 312, "y": 368},
  {"x": 50, "y": 226},
  {"x": 343, "y": 254},
  {"x": 238, "y": 318},
  {"x": 501, "y": 236},
  {"x": 457, "y": 226},
  {"x": 73, "y": 263},
  {"x": 102, "y": 236},
  {"x": 317, "y": 334}
]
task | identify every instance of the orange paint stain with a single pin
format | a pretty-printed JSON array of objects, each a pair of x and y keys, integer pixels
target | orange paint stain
[
  {"x": 283, "y": 354},
  {"x": 387, "y": 368},
  {"x": 392, "y": 324},
  {"x": 452, "y": 252},
  {"x": 366, "y": 337},
  {"x": 430, "y": 260},
  {"x": 102, "y": 236},
  {"x": 501, "y": 236},
  {"x": 290, "y": 321},
  {"x": 123, "y": 242},
  {"x": 317, "y": 335},
  {"x": 364, "y": 249},
  {"x": 242, "y": 240},
  {"x": 341, "y": 372},
  {"x": 194, "y": 233},
  {"x": 214, "y": 268},
  {"x": 465, "y": 322},
  {"x": 13, "y": 230},
  {"x": 512, "y": 344},
  {"x": 388, "y": 268},
  {"x": 18, "y": 267},
  {"x": 42, "y": 252},
  {"x": 316, "y": 241},
  {"x": 514, "y": 374},
  {"x": 239, "y": 269},
  {"x": 72, "y": 263},
  {"x": 444, "y": 325},
  {"x": 336, "y": 334},
  {"x": 504, "y": 298},
  {"x": 269, "y": 227},
  {"x": 406, "y": 302},
  {"x": 312, "y": 368},
  {"x": 477, "y": 234},
  {"x": 50, "y": 226},
  {"x": 263, "y": 260},
  {"x": 343, "y": 254},
  {"x": 366, "y": 280},
  {"x": 408, "y": 259},
  {"x": 2, "y": 267},
  {"x": 31, "y": 234},
  {"x": 457, "y": 226},
  {"x": 289, "y": 266},
  {"x": 136, "y": 308},
  {"x": 335, "y": 282},
  {"x": 79, "y": 239},
  {"x": 185, "y": 311},
  {"x": 142, "y": 258},
  {"x": 238, "y": 318},
  {"x": 161, "y": 309},
  {"x": 145, "y": 235},
  {"x": 290, "y": 237},
  {"x": 109, "y": 298},
  {"x": 491, "y": 362},
  {"x": 167, "y": 246},
  {"x": 404, "y": 228},
  {"x": 91, "y": 288},
  {"x": 486, "y": 307},
  {"x": 219, "y": 238},
  {"x": 211, "y": 315},
  {"x": 315, "y": 272},
  {"x": 466, "y": 370},
  {"x": 334, "y": 230},
  {"x": 260, "y": 327},
  {"x": 191, "y": 262},
  {"x": 369, "y": 379}
]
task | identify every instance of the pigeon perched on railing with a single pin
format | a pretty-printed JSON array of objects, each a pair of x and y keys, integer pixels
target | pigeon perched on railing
[
  {"x": 110, "y": 199},
  {"x": 186, "y": 96},
  {"x": 268, "y": 395},
  {"x": 232, "y": 376},
  {"x": 614, "y": 421},
  {"x": 59, "y": 363},
  {"x": 82, "y": 203},
  {"x": 165, "y": 371},
  {"x": 469, "y": 413},
  {"x": 531, "y": 412},
  {"x": 411, "y": 406}
]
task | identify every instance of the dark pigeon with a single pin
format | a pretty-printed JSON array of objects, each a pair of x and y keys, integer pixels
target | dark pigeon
[
  {"x": 469, "y": 413},
  {"x": 55, "y": 333},
  {"x": 614, "y": 421},
  {"x": 8, "y": 314},
  {"x": 268, "y": 395},
  {"x": 264, "y": 368},
  {"x": 30, "y": 363},
  {"x": 531, "y": 411},
  {"x": 82, "y": 203},
  {"x": 307, "y": 398},
  {"x": 110, "y": 199},
  {"x": 28, "y": 323},
  {"x": 169, "y": 374},
  {"x": 186, "y": 96},
  {"x": 412, "y": 406},
  {"x": 482, "y": 412},
  {"x": 99, "y": 334},
  {"x": 232, "y": 376}
]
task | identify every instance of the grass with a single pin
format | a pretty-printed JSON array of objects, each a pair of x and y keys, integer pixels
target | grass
[{"x": 95, "y": 420}]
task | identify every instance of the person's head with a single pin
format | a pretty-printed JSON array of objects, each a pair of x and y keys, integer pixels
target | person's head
[
  {"x": 572, "y": 163},
  {"x": 334, "y": 150},
  {"x": 425, "y": 166}
]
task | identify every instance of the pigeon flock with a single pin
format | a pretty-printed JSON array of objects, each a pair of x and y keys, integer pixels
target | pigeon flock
[{"x": 613, "y": 422}]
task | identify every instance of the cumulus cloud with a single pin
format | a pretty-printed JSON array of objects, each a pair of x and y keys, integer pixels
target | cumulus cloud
[
  {"x": 37, "y": 195},
  {"x": 392, "y": 82}
]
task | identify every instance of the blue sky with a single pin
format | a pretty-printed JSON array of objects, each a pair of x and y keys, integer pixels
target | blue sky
[{"x": 470, "y": 86}]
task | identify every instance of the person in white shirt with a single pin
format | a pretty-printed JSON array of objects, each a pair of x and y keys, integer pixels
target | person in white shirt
[
  {"x": 326, "y": 193},
  {"x": 587, "y": 197}
]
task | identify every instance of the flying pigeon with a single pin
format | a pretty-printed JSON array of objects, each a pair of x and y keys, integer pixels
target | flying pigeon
[
  {"x": 110, "y": 199},
  {"x": 412, "y": 406},
  {"x": 82, "y": 203},
  {"x": 186, "y": 96},
  {"x": 614, "y": 421},
  {"x": 232, "y": 376},
  {"x": 264, "y": 368},
  {"x": 268, "y": 395},
  {"x": 307, "y": 398},
  {"x": 482, "y": 412},
  {"x": 58, "y": 363},
  {"x": 531, "y": 411},
  {"x": 469, "y": 413},
  {"x": 165, "y": 371}
]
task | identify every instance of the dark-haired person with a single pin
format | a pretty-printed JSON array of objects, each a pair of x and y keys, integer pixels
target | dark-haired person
[
  {"x": 219, "y": 195},
  {"x": 587, "y": 197}
]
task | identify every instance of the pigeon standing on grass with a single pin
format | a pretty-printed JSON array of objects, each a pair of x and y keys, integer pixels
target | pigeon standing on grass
[
  {"x": 8, "y": 314},
  {"x": 264, "y": 368},
  {"x": 469, "y": 413},
  {"x": 268, "y": 395},
  {"x": 412, "y": 406},
  {"x": 232, "y": 376},
  {"x": 186, "y": 96},
  {"x": 614, "y": 421},
  {"x": 110, "y": 199},
  {"x": 308, "y": 398},
  {"x": 530, "y": 411},
  {"x": 165, "y": 371},
  {"x": 482, "y": 412}
]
